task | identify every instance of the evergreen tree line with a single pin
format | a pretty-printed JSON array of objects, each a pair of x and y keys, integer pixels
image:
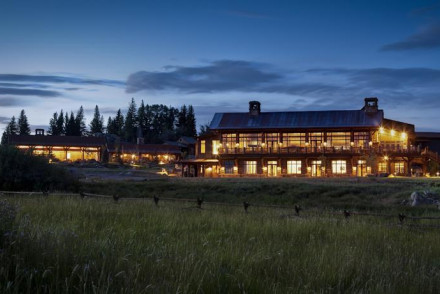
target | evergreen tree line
[
  {"x": 14, "y": 127},
  {"x": 155, "y": 123}
]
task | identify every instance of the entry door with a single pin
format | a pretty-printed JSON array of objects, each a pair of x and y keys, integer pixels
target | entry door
[
  {"x": 361, "y": 168},
  {"x": 272, "y": 168},
  {"x": 316, "y": 168}
]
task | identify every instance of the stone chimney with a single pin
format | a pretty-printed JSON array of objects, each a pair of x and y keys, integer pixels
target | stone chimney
[
  {"x": 371, "y": 105},
  {"x": 254, "y": 108}
]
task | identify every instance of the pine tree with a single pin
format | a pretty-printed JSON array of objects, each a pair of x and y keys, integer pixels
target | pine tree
[
  {"x": 71, "y": 125},
  {"x": 97, "y": 123},
  {"x": 191, "y": 129},
  {"x": 23, "y": 124},
  {"x": 61, "y": 130},
  {"x": 53, "y": 125},
  {"x": 142, "y": 118},
  {"x": 11, "y": 129},
  {"x": 130, "y": 122},
  {"x": 80, "y": 125}
]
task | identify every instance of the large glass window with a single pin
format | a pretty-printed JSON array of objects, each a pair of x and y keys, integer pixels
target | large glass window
[
  {"x": 339, "y": 166},
  {"x": 229, "y": 140},
  {"x": 399, "y": 167},
  {"x": 361, "y": 139},
  {"x": 250, "y": 167},
  {"x": 382, "y": 167},
  {"x": 338, "y": 139},
  {"x": 250, "y": 140},
  {"x": 294, "y": 167},
  {"x": 215, "y": 146},
  {"x": 202, "y": 146},
  {"x": 229, "y": 166},
  {"x": 294, "y": 139},
  {"x": 315, "y": 139}
]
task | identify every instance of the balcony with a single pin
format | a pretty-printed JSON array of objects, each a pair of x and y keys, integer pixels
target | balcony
[{"x": 320, "y": 150}]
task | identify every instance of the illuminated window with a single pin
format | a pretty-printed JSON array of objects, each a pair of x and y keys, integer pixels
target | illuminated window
[
  {"x": 294, "y": 167},
  {"x": 250, "y": 167},
  {"x": 202, "y": 146},
  {"x": 339, "y": 139},
  {"x": 250, "y": 140},
  {"x": 215, "y": 146},
  {"x": 294, "y": 139},
  {"x": 339, "y": 167},
  {"x": 399, "y": 168},
  {"x": 229, "y": 140},
  {"x": 382, "y": 167}
]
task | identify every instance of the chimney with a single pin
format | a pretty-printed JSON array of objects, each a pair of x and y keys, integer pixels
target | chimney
[
  {"x": 371, "y": 105},
  {"x": 39, "y": 132},
  {"x": 254, "y": 108}
]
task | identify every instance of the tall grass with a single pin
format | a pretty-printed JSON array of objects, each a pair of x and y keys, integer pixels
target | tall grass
[{"x": 97, "y": 246}]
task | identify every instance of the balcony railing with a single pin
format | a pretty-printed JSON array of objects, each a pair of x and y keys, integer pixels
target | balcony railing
[{"x": 316, "y": 150}]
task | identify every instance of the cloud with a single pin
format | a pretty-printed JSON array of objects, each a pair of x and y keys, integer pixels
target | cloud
[
  {"x": 4, "y": 120},
  {"x": 217, "y": 76},
  {"x": 11, "y": 102},
  {"x": 27, "y": 92},
  {"x": 427, "y": 38},
  {"x": 59, "y": 79}
]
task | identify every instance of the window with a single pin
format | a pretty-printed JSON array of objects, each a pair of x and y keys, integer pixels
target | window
[
  {"x": 229, "y": 166},
  {"x": 250, "y": 140},
  {"x": 250, "y": 167},
  {"x": 215, "y": 146},
  {"x": 339, "y": 167},
  {"x": 203, "y": 146},
  {"x": 399, "y": 168},
  {"x": 315, "y": 139},
  {"x": 361, "y": 139},
  {"x": 294, "y": 139},
  {"x": 339, "y": 140},
  {"x": 382, "y": 167},
  {"x": 229, "y": 140},
  {"x": 294, "y": 167}
]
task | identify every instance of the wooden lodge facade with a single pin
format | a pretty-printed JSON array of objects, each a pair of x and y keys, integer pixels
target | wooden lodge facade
[
  {"x": 308, "y": 143},
  {"x": 76, "y": 148}
]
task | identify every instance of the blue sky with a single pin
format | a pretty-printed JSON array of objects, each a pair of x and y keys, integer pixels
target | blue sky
[{"x": 290, "y": 55}]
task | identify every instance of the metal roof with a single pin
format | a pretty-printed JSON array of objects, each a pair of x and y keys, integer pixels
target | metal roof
[
  {"x": 72, "y": 141},
  {"x": 144, "y": 148},
  {"x": 297, "y": 119}
]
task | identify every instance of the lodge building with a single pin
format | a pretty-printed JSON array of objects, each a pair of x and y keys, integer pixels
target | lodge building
[{"x": 308, "y": 143}]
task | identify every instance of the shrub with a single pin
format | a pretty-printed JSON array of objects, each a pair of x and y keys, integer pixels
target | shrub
[{"x": 22, "y": 171}]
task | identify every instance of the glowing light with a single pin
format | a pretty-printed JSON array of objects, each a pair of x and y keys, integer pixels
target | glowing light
[
  {"x": 385, "y": 157},
  {"x": 381, "y": 130},
  {"x": 307, "y": 143},
  {"x": 393, "y": 132},
  {"x": 325, "y": 144},
  {"x": 351, "y": 144},
  {"x": 263, "y": 144},
  {"x": 235, "y": 168},
  {"x": 404, "y": 135},
  {"x": 264, "y": 168},
  {"x": 370, "y": 143}
]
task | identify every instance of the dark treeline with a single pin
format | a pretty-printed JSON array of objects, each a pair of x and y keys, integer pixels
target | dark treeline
[{"x": 155, "y": 123}]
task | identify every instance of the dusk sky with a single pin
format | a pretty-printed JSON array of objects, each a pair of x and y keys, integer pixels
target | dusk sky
[{"x": 289, "y": 55}]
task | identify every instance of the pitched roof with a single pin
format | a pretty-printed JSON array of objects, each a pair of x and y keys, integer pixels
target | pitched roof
[
  {"x": 297, "y": 119},
  {"x": 73, "y": 141},
  {"x": 145, "y": 148}
]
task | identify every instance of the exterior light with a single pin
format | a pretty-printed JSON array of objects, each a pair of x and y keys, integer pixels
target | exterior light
[
  {"x": 264, "y": 168},
  {"x": 385, "y": 157},
  {"x": 236, "y": 144},
  {"x": 438, "y": 174},
  {"x": 307, "y": 143},
  {"x": 381, "y": 130},
  {"x": 325, "y": 144},
  {"x": 351, "y": 144},
  {"x": 263, "y": 144},
  {"x": 280, "y": 143},
  {"x": 403, "y": 135},
  {"x": 393, "y": 132},
  {"x": 370, "y": 143},
  {"x": 235, "y": 168}
]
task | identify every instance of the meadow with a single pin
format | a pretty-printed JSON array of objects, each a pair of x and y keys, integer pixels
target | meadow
[{"x": 71, "y": 244}]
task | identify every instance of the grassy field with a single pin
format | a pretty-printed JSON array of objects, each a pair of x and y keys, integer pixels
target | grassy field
[
  {"x": 72, "y": 245},
  {"x": 324, "y": 193}
]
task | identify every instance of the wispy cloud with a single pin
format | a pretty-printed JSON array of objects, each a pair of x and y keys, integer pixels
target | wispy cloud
[
  {"x": 218, "y": 76},
  {"x": 426, "y": 38},
  {"x": 59, "y": 79},
  {"x": 29, "y": 92},
  {"x": 12, "y": 102}
]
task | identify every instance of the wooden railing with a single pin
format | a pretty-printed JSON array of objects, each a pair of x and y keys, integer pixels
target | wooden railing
[{"x": 316, "y": 150}]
